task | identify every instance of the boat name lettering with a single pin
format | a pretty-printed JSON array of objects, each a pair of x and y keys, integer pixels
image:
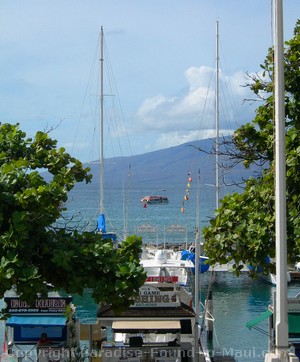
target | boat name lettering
[
  {"x": 162, "y": 279},
  {"x": 150, "y": 292},
  {"x": 153, "y": 299},
  {"x": 146, "y": 290}
]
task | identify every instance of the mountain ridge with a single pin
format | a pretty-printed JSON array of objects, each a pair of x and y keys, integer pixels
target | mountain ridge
[{"x": 169, "y": 165}]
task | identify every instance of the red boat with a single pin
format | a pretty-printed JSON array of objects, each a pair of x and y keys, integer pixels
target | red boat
[{"x": 154, "y": 200}]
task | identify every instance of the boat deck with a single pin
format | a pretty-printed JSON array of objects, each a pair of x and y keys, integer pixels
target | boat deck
[{"x": 218, "y": 268}]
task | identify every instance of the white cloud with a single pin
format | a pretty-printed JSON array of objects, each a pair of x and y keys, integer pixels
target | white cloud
[
  {"x": 176, "y": 138},
  {"x": 151, "y": 107},
  {"x": 196, "y": 77},
  {"x": 48, "y": 49},
  {"x": 192, "y": 114}
]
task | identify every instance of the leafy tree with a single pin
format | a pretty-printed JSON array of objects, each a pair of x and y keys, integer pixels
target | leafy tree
[
  {"x": 32, "y": 250},
  {"x": 243, "y": 229}
]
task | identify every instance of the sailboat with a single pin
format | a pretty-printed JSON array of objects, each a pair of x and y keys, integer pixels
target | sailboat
[
  {"x": 162, "y": 325},
  {"x": 101, "y": 224},
  {"x": 190, "y": 254}
]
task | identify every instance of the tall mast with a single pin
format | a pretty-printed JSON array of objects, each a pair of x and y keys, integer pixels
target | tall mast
[
  {"x": 217, "y": 116},
  {"x": 126, "y": 202},
  {"x": 281, "y": 326},
  {"x": 197, "y": 257},
  {"x": 101, "y": 176}
]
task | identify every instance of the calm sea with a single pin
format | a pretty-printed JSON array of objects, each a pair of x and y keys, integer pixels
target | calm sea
[{"x": 235, "y": 300}]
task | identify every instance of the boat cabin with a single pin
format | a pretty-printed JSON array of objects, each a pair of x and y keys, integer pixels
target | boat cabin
[
  {"x": 158, "y": 327},
  {"x": 167, "y": 264},
  {"x": 155, "y": 200}
]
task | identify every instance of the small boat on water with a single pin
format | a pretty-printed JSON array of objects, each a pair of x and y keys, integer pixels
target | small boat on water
[
  {"x": 168, "y": 264},
  {"x": 155, "y": 200}
]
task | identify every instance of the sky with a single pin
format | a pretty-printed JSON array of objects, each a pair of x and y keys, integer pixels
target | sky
[{"x": 162, "y": 55}]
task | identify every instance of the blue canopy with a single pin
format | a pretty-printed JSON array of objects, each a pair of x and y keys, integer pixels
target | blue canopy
[
  {"x": 101, "y": 223},
  {"x": 45, "y": 321},
  {"x": 101, "y": 227},
  {"x": 203, "y": 261}
]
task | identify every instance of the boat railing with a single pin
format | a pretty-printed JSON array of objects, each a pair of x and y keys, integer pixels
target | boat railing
[{"x": 174, "y": 230}]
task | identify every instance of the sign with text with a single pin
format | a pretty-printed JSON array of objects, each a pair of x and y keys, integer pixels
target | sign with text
[
  {"x": 41, "y": 305},
  {"x": 162, "y": 279},
  {"x": 150, "y": 296},
  {"x": 294, "y": 304}
]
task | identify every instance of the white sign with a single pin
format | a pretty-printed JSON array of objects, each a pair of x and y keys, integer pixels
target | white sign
[
  {"x": 162, "y": 279},
  {"x": 150, "y": 296}
]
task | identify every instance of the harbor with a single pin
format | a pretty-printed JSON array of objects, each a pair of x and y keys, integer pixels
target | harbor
[
  {"x": 235, "y": 301},
  {"x": 199, "y": 275}
]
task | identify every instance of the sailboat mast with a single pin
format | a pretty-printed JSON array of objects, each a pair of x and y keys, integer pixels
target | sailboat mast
[
  {"x": 217, "y": 116},
  {"x": 101, "y": 176},
  {"x": 197, "y": 257}
]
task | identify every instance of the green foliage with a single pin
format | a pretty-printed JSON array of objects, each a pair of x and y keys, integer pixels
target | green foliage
[
  {"x": 31, "y": 250},
  {"x": 243, "y": 230}
]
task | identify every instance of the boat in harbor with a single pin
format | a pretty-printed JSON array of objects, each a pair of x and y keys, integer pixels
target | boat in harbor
[
  {"x": 166, "y": 265},
  {"x": 101, "y": 223},
  {"x": 161, "y": 325},
  {"x": 155, "y": 200},
  {"x": 170, "y": 252},
  {"x": 167, "y": 321}
]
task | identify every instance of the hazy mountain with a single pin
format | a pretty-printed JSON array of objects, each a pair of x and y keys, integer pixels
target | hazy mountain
[{"x": 162, "y": 167}]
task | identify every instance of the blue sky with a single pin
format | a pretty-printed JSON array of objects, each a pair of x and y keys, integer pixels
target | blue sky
[{"x": 162, "y": 54}]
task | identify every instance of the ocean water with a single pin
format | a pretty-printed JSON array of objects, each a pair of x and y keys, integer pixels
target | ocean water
[
  {"x": 123, "y": 205},
  {"x": 235, "y": 300}
]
